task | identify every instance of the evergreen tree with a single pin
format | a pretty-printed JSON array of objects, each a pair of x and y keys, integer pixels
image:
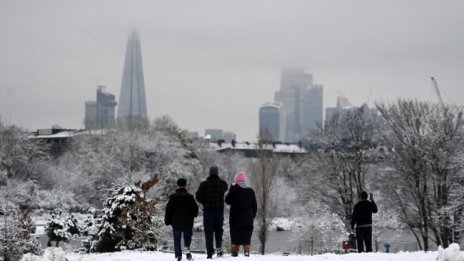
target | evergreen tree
[{"x": 129, "y": 221}]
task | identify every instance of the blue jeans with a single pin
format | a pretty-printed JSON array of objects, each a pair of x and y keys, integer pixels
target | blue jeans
[
  {"x": 177, "y": 238},
  {"x": 212, "y": 223}
]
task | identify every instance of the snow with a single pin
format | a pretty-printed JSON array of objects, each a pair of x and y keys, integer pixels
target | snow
[
  {"x": 277, "y": 148},
  {"x": 450, "y": 254},
  {"x": 283, "y": 224}
]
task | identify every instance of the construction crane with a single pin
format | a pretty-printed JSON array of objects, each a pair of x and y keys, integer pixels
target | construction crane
[
  {"x": 440, "y": 100},
  {"x": 437, "y": 92}
]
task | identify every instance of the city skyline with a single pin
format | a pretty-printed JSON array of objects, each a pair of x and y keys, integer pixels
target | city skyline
[{"x": 212, "y": 65}]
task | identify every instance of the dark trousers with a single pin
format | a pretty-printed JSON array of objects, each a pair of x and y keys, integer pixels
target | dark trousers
[
  {"x": 177, "y": 238},
  {"x": 212, "y": 223},
  {"x": 364, "y": 237}
]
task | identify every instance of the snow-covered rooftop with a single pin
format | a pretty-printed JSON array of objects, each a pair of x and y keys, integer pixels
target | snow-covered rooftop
[{"x": 277, "y": 148}]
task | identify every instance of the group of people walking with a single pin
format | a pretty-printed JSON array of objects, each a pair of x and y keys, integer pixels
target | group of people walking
[{"x": 182, "y": 208}]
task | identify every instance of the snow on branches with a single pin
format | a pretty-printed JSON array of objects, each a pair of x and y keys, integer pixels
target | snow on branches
[
  {"x": 129, "y": 221},
  {"x": 61, "y": 226}
]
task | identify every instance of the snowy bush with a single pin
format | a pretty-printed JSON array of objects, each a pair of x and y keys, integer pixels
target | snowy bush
[
  {"x": 129, "y": 221},
  {"x": 451, "y": 253},
  {"x": 61, "y": 227}
]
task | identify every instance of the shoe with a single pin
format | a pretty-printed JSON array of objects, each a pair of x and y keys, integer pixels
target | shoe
[
  {"x": 178, "y": 258},
  {"x": 209, "y": 256},
  {"x": 246, "y": 250},
  {"x": 188, "y": 254},
  {"x": 218, "y": 252},
  {"x": 234, "y": 250}
]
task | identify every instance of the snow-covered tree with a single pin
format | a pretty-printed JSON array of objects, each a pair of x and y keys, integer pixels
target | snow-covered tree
[
  {"x": 426, "y": 168},
  {"x": 61, "y": 226},
  {"x": 16, "y": 228},
  {"x": 340, "y": 168},
  {"x": 17, "y": 151},
  {"x": 263, "y": 175},
  {"x": 321, "y": 226},
  {"x": 130, "y": 220}
]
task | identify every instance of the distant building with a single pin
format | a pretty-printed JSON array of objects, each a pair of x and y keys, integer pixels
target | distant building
[
  {"x": 192, "y": 135},
  {"x": 303, "y": 103},
  {"x": 272, "y": 122},
  {"x": 100, "y": 114},
  {"x": 343, "y": 104},
  {"x": 251, "y": 150},
  {"x": 106, "y": 104},
  {"x": 228, "y": 136},
  {"x": 214, "y": 134},
  {"x": 59, "y": 138},
  {"x": 132, "y": 109},
  {"x": 90, "y": 121}
]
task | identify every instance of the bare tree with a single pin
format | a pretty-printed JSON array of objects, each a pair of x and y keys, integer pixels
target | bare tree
[
  {"x": 263, "y": 176},
  {"x": 341, "y": 167},
  {"x": 426, "y": 178}
]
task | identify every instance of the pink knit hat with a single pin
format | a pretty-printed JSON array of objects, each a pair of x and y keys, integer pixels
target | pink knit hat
[{"x": 240, "y": 177}]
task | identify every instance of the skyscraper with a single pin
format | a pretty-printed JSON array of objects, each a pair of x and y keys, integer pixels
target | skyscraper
[
  {"x": 106, "y": 103},
  {"x": 132, "y": 110},
  {"x": 272, "y": 122},
  {"x": 100, "y": 114},
  {"x": 302, "y": 102}
]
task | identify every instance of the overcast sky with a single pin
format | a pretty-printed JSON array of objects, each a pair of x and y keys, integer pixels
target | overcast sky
[{"x": 212, "y": 64}]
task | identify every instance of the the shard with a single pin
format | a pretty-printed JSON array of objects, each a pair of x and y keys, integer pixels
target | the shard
[{"x": 132, "y": 109}]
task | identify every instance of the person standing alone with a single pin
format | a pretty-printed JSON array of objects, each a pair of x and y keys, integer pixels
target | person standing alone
[
  {"x": 243, "y": 207},
  {"x": 362, "y": 218},
  {"x": 210, "y": 194},
  {"x": 180, "y": 212}
]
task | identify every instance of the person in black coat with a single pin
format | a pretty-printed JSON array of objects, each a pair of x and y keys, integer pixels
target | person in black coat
[
  {"x": 362, "y": 218},
  {"x": 180, "y": 212},
  {"x": 210, "y": 194},
  {"x": 243, "y": 207}
]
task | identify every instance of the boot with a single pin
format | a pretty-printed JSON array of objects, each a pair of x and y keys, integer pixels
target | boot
[
  {"x": 219, "y": 252},
  {"x": 188, "y": 254},
  {"x": 234, "y": 250},
  {"x": 246, "y": 250}
]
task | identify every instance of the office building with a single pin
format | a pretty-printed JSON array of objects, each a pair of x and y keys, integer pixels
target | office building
[
  {"x": 272, "y": 122},
  {"x": 214, "y": 134},
  {"x": 132, "y": 109},
  {"x": 90, "y": 121},
  {"x": 100, "y": 114},
  {"x": 302, "y": 101}
]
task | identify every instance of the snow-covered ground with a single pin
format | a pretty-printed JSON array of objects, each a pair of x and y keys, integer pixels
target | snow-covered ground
[
  {"x": 432, "y": 256},
  {"x": 450, "y": 254}
]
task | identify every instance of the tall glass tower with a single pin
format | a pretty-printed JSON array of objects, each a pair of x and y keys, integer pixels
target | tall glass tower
[{"x": 132, "y": 109}]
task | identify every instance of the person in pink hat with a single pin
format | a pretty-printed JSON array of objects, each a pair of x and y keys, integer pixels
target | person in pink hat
[{"x": 243, "y": 207}]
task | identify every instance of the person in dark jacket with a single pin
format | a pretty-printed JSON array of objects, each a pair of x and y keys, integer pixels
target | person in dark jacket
[
  {"x": 180, "y": 212},
  {"x": 210, "y": 194},
  {"x": 242, "y": 201},
  {"x": 362, "y": 218}
]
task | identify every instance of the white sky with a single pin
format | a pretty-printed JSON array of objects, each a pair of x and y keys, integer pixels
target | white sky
[{"x": 211, "y": 64}]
